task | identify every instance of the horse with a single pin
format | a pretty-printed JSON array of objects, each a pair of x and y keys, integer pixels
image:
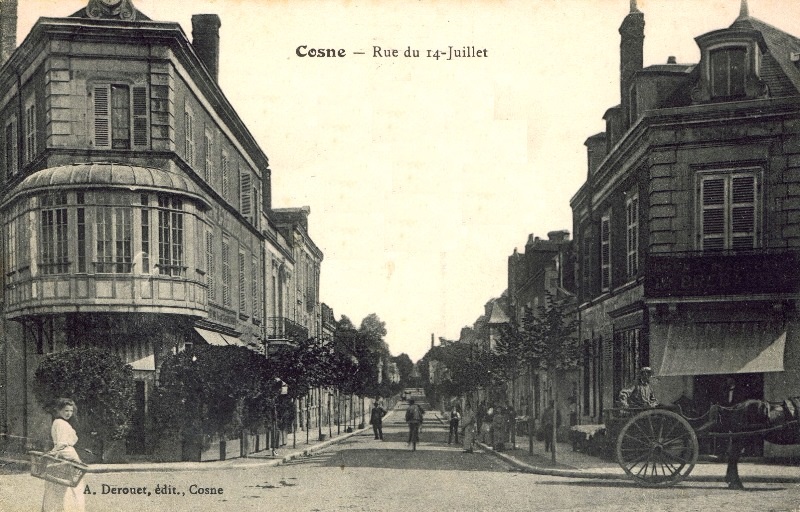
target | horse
[{"x": 749, "y": 421}]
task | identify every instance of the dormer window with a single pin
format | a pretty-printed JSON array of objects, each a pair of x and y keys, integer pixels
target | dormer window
[
  {"x": 728, "y": 70},
  {"x": 730, "y": 66}
]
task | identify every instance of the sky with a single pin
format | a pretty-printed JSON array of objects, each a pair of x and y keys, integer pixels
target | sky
[{"x": 424, "y": 174}]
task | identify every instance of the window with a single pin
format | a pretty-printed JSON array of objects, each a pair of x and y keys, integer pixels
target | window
[
  {"x": 113, "y": 235},
  {"x": 605, "y": 252},
  {"x": 245, "y": 198},
  {"x": 728, "y": 71},
  {"x": 120, "y": 116},
  {"x": 54, "y": 233},
  {"x": 728, "y": 218},
  {"x": 210, "y": 266},
  {"x": 242, "y": 285},
  {"x": 209, "y": 152},
  {"x": 226, "y": 273},
  {"x": 630, "y": 354},
  {"x": 188, "y": 130},
  {"x": 170, "y": 240},
  {"x": 255, "y": 285},
  {"x": 30, "y": 129},
  {"x": 632, "y": 221},
  {"x": 10, "y": 154},
  {"x": 81, "y": 214},
  {"x": 224, "y": 168},
  {"x": 145, "y": 200}
]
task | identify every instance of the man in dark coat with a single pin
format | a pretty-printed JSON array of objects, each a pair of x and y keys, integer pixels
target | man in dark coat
[{"x": 376, "y": 420}]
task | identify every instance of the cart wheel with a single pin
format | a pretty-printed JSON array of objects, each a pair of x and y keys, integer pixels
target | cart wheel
[{"x": 657, "y": 448}]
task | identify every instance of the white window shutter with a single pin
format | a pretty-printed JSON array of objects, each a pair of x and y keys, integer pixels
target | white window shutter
[
  {"x": 246, "y": 202},
  {"x": 102, "y": 116}
]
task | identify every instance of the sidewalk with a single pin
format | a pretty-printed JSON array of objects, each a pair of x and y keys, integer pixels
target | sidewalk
[
  {"x": 264, "y": 458},
  {"x": 575, "y": 464}
]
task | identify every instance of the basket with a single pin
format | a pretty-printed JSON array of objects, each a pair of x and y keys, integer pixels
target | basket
[{"x": 56, "y": 470}]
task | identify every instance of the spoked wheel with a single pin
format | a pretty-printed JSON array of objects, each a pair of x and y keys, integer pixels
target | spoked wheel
[{"x": 657, "y": 448}]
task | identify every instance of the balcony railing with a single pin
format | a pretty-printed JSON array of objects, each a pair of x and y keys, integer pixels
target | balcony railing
[
  {"x": 702, "y": 274},
  {"x": 281, "y": 328}
]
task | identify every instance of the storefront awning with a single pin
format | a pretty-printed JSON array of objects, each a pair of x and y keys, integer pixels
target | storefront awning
[
  {"x": 720, "y": 348},
  {"x": 146, "y": 363},
  {"x": 216, "y": 338}
]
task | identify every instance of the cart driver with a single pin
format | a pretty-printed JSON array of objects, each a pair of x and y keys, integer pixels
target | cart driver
[{"x": 639, "y": 395}]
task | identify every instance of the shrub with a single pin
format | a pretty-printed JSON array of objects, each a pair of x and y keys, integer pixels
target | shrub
[{"x": 98, "y": 381}]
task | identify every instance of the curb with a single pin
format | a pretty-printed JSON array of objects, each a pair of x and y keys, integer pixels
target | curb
[
  {"x": 597, "y": 475},
  {"x": 238, "y": 463}
]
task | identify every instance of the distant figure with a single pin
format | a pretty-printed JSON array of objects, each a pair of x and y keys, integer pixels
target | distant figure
[
  {"x": 480, "y": 417},
  {"x": 639, "y": 395},
  {"x": 455, "y": 418},
  {"x": 547, "y": 425},
  {"x": 499, "y": 428},
  {"x": 414, "y": 415},
  {"x": 376, "y": 420},
  {"x": 730, "y": 395},
  {"x": 468, "y": 425}
]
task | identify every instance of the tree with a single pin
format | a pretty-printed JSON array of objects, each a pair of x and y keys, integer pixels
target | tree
[
  {"x": 214, "y": 391},
  {"x": 551, "y": 341},
  {"x": 405, "y": 368},
  {"x": 99, "y": 382}
]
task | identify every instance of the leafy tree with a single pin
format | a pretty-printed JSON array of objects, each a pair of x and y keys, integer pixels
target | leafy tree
[
  {"x": 213, "y": 390},
  {"x": 551, "y": 341},
  {"x": 405, "y": 368},
  {"x": 99, "y": 382}
]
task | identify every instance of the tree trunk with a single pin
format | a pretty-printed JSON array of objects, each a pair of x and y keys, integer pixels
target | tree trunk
[
  {"x": 530, "y": 410},
  {"x": 554, "y": 388}
]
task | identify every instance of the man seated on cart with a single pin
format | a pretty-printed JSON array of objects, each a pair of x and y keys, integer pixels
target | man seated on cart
[{"x": 639, "y": 395}]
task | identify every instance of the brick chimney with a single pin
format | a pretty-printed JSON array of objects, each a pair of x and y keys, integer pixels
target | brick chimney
[
  {"x": 595, "y": 151},
  {"x": 8, "y": 29},
  {"x": 631, "y": 57},
  {"x": 205, "y": 40}
]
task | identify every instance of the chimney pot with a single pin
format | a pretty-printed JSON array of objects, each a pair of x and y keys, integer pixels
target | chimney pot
[{"x": 671, "y": 60}]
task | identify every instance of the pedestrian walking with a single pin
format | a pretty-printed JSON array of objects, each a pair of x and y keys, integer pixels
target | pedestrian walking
[
  {"x": 414, "y": 414},
  {"x": 547, "y": 425},
  {"x": 455, "y": 418},
  {"x": 468, "y": 426},
  {"x": 376, "y": 420},
  {"x": 499, "y": 428},
  {"x": 57, "y": 497}
]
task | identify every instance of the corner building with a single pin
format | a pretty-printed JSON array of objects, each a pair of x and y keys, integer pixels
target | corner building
[
  {"x": 687, "y": 228},
  {"x": 135, "y": 203}
]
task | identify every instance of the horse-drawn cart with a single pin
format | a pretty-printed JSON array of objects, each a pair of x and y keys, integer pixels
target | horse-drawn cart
[
  {"x": 655, "y": 447},
  {"x": 658, "y": 447}
]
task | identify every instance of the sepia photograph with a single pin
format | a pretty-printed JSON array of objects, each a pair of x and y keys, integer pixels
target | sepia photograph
[{"x": 391, "y": 255}]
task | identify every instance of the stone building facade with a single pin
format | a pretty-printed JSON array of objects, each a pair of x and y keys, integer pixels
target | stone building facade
[
  {"x": 135, "y": 205},
  {"x": 686, "y": 228}
]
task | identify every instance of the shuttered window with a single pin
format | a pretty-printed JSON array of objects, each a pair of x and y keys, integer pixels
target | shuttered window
[
  {"x": 208, "y": 170},
  {"x": 242, "y": 285},
  {"x": 246, "y": 206},
  {"x": 121, "y": 119},
  {"x": 210, "y": 266},
  {"x": 10, "y": 153},
  {"x": 226, "y": 273},
  {"x": 729, "y": 211},
  {"x": 30, "y": 130},
  {"x": 224, "y": 170},
  {"x": 605, "y": 252},
  {"x": 140, "y": 117},
  {"x": 632, "y": 221},
  {"x": 188, "y": 131}
]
